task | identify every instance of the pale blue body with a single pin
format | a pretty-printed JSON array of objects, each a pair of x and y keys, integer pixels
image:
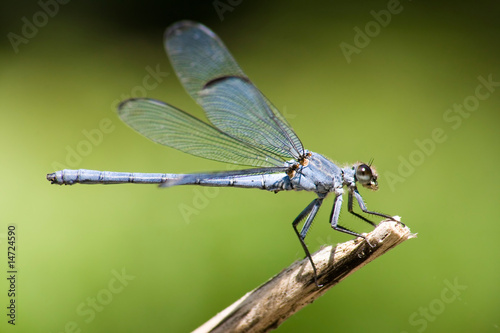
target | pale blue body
[{"x": 320, "y": 176}]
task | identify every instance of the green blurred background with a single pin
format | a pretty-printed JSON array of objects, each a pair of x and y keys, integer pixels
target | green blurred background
[{"x": 185, "y": 253}]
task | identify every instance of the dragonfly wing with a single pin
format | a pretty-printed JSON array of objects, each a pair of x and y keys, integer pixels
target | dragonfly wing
[
  {"x": 175, "y": 128},
  {"x": 231, "y": 102},
  {"x": 236, "y": 107},
  {"x": 198, "y": 56}
]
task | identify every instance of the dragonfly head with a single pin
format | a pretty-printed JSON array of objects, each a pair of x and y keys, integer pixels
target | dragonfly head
[{"x": 366, "y": 176}]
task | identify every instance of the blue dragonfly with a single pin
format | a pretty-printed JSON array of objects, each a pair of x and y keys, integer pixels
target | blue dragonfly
[{"x": 245, "y": 129}]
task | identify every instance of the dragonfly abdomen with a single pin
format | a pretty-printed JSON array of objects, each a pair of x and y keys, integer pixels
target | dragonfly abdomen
[
  {"x": 83, "y": 176},
  {"x": 269, "y": 182}
]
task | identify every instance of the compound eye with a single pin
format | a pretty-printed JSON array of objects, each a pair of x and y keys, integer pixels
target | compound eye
[{"x": 364, "y": 174}]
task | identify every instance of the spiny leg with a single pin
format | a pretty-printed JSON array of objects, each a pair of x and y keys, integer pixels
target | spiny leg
[
  {"x": 362, "y": 206},
  {"x": 310, "y": 211},
  {"x": 334, "y": 218}
]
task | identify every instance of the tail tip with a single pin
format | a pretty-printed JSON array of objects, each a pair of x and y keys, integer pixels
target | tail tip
[{"x": 51, "y": 177}]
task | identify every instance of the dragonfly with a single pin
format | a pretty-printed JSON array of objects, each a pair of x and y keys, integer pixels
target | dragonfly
[{"x": 244, "y": 128}]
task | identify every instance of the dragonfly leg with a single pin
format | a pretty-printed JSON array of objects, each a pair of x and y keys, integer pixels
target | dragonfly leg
[
  {"x": 361, "y": 205},
  {"x": 334, "y": 217},
  {"x": 353, "y": 191},
  {"x": 309, "y": 212}
]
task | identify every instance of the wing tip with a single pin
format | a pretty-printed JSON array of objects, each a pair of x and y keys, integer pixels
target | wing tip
[
  {"x": 178, "y": 27},
  {"x": 181, "y": 26},
  {"x": 125, "y": 104},
  {"x": 128, "y": 104}
]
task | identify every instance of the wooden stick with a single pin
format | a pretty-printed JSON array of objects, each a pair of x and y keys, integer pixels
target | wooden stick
[{"x": 267, "y": 306}]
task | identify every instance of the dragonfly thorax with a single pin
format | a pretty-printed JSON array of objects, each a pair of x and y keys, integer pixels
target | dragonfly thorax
[{"x": 319, "y": 175}]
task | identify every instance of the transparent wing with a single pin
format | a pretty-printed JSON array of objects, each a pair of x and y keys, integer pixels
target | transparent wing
[
  {"x": 172, "y": 127},
  {"x": 231, "y": 102}
]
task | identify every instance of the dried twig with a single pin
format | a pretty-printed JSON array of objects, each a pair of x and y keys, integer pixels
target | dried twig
[{"x": 267, "y": 306}]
